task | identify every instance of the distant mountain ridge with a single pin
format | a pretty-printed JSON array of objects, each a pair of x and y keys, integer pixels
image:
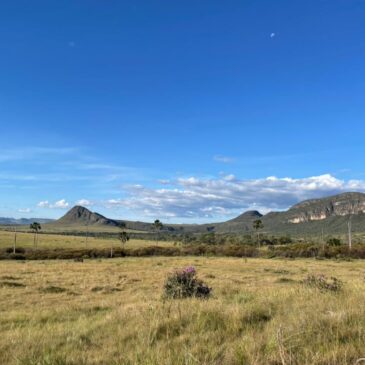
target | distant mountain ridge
[
  {"x": 329, "y": 214},
  {"x": 23, "y": 221},
  {"x": 310, "y": 216},
  {"x": 307, "y": 216}
]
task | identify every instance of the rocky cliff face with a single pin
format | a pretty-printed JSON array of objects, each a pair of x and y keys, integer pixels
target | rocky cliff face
[{"x": 319, "y": 209}]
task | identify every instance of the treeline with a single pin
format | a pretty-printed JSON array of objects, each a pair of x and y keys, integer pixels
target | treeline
[
  {"x": 229, "y": 250},
  {"x": 209, "y": 238},
  {"x": 212, "y": 238},
  {"x": 92, "y": 253}
]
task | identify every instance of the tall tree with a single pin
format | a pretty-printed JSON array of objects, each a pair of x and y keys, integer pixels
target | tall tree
[
  {"x": 157, "y": 226},
  {"x": 35, "y": 227},
  {"x": 123, "y": 236},
  {"x": 257, "y": 225}
]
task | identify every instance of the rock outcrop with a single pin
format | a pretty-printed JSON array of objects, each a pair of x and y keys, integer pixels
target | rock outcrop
[{"x": 319, "y": 209}]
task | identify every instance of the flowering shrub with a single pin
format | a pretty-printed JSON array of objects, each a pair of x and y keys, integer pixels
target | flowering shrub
[
  {"x": 184, "y": 284},
  {"x": 322, "y": 283}
]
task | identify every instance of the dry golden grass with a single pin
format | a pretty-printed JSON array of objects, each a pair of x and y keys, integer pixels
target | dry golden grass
[
  {"x": 70, "y": 228},
  {"x": 112, "y": 312},
  {"x": 68, "y": 241}
]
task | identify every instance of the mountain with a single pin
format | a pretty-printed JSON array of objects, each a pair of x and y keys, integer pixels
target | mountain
[
  {"x": 248, "y": 216},
  {"x": 23, "y": 221},
  {"x": 82, "y": 216},
  {"x": 240, "y": 224},
  {"x": 319, "y": 209},
  {"x": 329, "y": 214}
]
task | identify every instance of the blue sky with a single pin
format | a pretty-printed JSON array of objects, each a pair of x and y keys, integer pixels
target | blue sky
[{"x": 187, "y": 111}]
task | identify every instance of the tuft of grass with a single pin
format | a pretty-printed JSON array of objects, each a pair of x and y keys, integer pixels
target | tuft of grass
[
  {"x": 12, "y": 284},
  {"x": 281, "y": 272},
  {"x": 323, "y": 283},
  {"x": 52, "y": 289},
  {"x": 285, "y": 280},
  {"x": 97, "y": 288},
  {"x": 9, "y": 277}
]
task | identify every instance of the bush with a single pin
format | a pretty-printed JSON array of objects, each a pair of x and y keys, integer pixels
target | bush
[
  {"x": 208, "y": 238},
  {"x": 185, "y": 284},
  {"x": 284, "y": 240},
  {"x": 322, "y": 283},
  {"x": 17, "y": 250},
  {"x": 16, "y": 256},
  {"x": 334, "y": 242}
]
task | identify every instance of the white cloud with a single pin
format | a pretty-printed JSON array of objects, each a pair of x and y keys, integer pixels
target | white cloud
[
  {"x": 43, "y": 204},
  {"x": 85, "y": 203},
  {"x": 227, "y": 195},
  {"x": 60, "y": 204},
  {"x": 223, "y": 159},
  {"x": 24, "y": 210},
  {"x": 272, "y": 35}
]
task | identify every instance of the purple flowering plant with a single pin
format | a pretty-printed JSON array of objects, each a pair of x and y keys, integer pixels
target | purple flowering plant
[
  {"x": 184, "y": 283},
  {"x": 190, "y": 270}
]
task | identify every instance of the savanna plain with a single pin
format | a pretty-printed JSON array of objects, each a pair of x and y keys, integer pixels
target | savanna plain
[{"x": 112, "y": 311}]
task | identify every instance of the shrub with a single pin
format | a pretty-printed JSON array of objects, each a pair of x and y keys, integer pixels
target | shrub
[
  {"x": 16, "y": 256},
  {"x": 322, "y": 283},
  {"x": 334, "y": 242},
  {"x": 208, "y": 238},
  {"x": 184, "y": 284},
  {"x": 17, "y": 250},
  {"x": 284, "y": 240}
]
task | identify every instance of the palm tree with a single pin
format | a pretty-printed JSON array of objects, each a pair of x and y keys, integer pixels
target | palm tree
[
  {"x": 123, "y": 238},
  {"x": 157, "y": 226},
  {"x": 257, "y": 225},
  {"x": 35, "y": 227}
]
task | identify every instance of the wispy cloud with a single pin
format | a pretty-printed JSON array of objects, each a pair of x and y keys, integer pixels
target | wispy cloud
[
  {"x": 29, "y": 153},
  {"x": 24, "y": 210},
  {"x": 223, "y": 159},
  {"x": 226, "y": 196}
]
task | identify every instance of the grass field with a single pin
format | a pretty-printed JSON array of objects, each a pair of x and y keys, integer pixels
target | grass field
[
  {"x": 68, "y": 241},
  {"x": 55, "y": 228},
  {"x": 112, "y": 312}
]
